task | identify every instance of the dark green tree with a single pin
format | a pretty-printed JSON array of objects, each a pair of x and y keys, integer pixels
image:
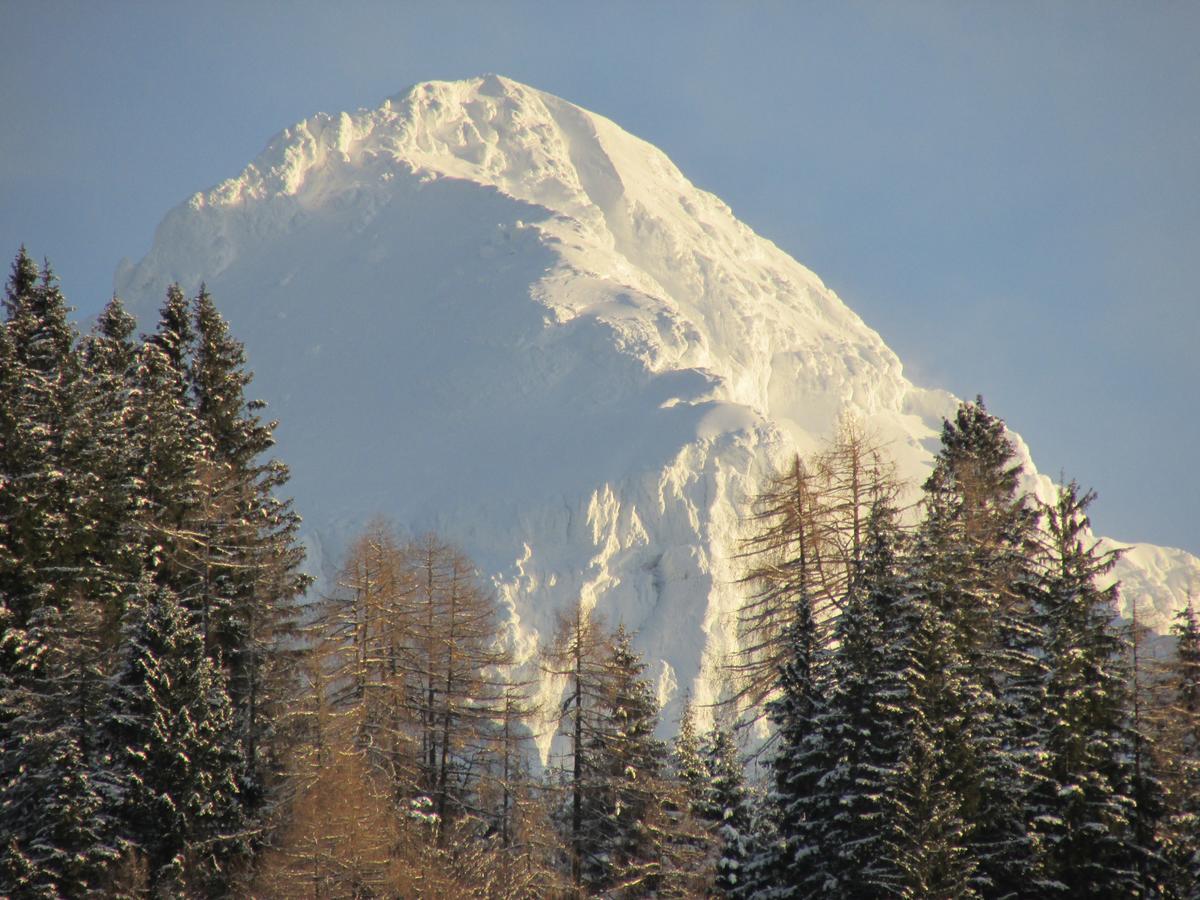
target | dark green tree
[
  {"x": 174, "y": 334},
  {"x": 863, "y": 727},
  {"x": 51, "y": 808},
  {"x": 244, "y": 545},
  {"x": 630, "y": 851},
  {"x": 39, "y": 526},
  {"x": 177, "y": 751},
  {"x": 725, "y": 806},
  {"x": 1179, "y": 740},
  {"x": 1083, "y": 810},
  {"x": 974, "y": 560},
  {"x": 56, "y": 787},
  {"x": 798, "y": 763},
  {"x": 579, "y": 654},
  {"x": 686, "y": 757},
  {"x": 105, "y": 455}
]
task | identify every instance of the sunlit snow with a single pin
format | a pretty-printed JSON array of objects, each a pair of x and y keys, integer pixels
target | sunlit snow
[{"x": 483, "y": 310}]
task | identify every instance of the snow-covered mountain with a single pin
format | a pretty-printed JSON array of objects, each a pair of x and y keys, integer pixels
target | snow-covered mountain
[{"x": 483, "y": 310}]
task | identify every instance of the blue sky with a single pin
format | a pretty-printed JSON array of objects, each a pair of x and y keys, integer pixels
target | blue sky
[{"x": 1009, "y": 193}]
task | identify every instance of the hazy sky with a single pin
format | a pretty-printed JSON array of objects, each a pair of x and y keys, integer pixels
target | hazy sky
[{"x": 1009, "y": 193}]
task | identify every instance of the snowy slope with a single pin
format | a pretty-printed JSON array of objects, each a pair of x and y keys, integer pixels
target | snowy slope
[{"x": 483, "y": 310}]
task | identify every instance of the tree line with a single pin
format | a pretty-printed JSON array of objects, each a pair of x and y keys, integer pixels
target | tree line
[
  {"x": 952, "y": 708},
  {"x": 177, "y": 719},
  {"x": 957, "y": 711},
  {"x": 149, "y": 586},
  {"x": 414, "y": 773}
]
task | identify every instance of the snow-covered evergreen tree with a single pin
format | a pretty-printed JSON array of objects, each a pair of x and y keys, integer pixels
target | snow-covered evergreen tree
[
  {"x": 56, "y": 783},
  {"x": 167, "y": 454},
  {"x": 246, "y": 549},
  {"x": 52, "y": 816},
  {"x": 177, "y": 750},
  {"x": 106, "y": 458},
  {"x": 1083, "y": 811},
  {"x": 628, "y": 853},
  {"x": 725, "y": 807},
  {"x": 861, "y": 728},
  {"x": 787, "y": 865},
  {"x": 104, "y": 465},
  {"x": 38, "y": 525},
  {"x": 174, "y": 335},
  {"x": 1179, "y": 736},
  {"x": 687, "y": 760},
  {"x": 974, "y": 557}
]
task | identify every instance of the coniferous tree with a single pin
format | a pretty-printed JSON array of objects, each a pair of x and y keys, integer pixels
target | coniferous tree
[
  {"x": 55, "y": 808},
  {"x": 930, "y": 848},
  {"x": 1085, "y": 806},
  {"x": 725, "y": 807},
  {"x": 974, "y": 558},
  {"x": 578, "y": 654},
  {"x": 784, "y": 577},
  {"x": 687, "y": 759},
  {"x": 107, "y": 478},
  {"x": 177, "y": 750},
  {"x": 1179, "y": 740},
  {"x": 248, "y": 552},
  {"x": 860, "y": 728},
  {"x": 1146, "y": 789},
  {"x": 629, "y": 853},
  {"x": 457, "y": 655},
  {"x": 40, "y": 567},
  {"x": 174, "y": 335},
  {"x": 51, "y": 799},
  {"x": 416, "y": 669},
  {"x": 1186, "y": 629},
  {"x": 515, "y": 811},
  {"x": 167, "y": 451},
  {"x": 107, "y": 458},
  {"x": 810, "y": 523},
  {"x": 921, "y": 704},
  {"x": 338, "y": 832},
  {"x": 788, "y": 862}
]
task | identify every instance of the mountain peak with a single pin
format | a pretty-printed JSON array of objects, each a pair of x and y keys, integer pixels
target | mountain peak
[
  {"x": 482, "y": 310},
  {"x": 490, "y": 130}
]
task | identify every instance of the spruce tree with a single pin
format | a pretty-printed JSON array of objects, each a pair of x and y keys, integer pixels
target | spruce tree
[
  {"x": 1180, "y": 741},
  {"x": 1083, "y": 813},
  {"x": 861, "y": 728},
  {"x": 106, "y": 457},
  {"x": 167, "y": 452},
  {"x": 246, "y": 550},
  {"x": 51, "y": 809},
  {"x": 686, "y": 757},
  {"x": 39, "y": 564},
  {"x": 921, "y": 702},
  {"x": 112, "y": 486},
  {"x": 56, "y": 783},
  {"x": 798, "y": 763},
  {"x": 174, "y": 335},
  {"x": 725, "y": 807},
  {"x": 974, "y": 559},
  {"x": 630, "y": 850},
  {"x": 1146, "y": 787},
  {"x": 1186, "y": 629},
  {"x": 177, "y": 750}
]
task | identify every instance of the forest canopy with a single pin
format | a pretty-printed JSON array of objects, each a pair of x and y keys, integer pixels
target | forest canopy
[{"x": 953, "y": 708}]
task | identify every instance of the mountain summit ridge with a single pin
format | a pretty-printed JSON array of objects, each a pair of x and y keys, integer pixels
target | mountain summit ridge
[{"x": 481, "y": 309}]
